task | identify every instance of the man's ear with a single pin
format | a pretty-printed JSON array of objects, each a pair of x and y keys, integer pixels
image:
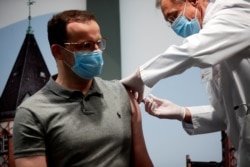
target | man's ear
[{"x": 57, "y": 51}]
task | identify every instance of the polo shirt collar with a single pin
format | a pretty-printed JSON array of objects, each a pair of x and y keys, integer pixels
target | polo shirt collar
[{"x": 69, "y": 93}]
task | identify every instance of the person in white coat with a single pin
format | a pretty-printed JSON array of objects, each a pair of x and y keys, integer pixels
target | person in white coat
[{"x": 217, "y": 40}]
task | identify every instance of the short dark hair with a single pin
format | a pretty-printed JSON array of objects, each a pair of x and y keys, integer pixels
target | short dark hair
[{"x": 56, "y": 27}]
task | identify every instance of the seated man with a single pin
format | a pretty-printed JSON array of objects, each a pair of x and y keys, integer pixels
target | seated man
[{"x": 78, "y": 119}]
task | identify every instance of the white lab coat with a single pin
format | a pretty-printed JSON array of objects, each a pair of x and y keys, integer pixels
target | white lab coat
[{"x": 223, "y": 45}]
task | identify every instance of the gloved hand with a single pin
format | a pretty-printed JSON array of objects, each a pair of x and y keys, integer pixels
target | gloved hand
[
  {"x": 163, "y": 108},
  {"x": 135, "y": 85}
]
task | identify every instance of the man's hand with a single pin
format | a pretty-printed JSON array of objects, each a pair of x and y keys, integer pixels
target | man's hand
[
  {"x": 163, "y": 108},
  {"x": 135, "y": 85}
]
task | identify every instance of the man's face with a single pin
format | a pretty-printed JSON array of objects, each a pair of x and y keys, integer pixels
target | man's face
[
  {"x": 78, "y": 34},
  {"x": 171, "y": 10}
]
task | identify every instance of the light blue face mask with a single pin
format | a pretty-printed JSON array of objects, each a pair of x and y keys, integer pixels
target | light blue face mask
[
  {"x": 183, "y": 27},
  {"x": 88, "y": 64}
]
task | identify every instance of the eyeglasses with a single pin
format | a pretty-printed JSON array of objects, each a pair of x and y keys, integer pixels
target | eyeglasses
[
  {"x": 171, "y": 17},
  {"x": 89, "y": 45},
  {"x": 246, "y": 107}
]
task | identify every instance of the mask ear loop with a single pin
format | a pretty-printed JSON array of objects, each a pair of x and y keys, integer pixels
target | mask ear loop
[
  {"x": 196, "y": 12},
  {"x": 185, "y": 7},
  {"x": 67, "y": 64}
]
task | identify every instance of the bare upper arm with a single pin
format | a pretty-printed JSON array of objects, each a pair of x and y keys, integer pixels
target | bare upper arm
[
  {"x": 139, "y": 149},
  {"x": 33, "y": 161}
]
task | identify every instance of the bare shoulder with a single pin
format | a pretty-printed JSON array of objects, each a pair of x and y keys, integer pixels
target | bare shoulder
[{"x": 32, "y": 161}]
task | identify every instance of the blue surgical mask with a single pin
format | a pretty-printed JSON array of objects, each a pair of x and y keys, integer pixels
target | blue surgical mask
[
  {"x": 87, "y": 64},
  {"x": 183, "y": 27}
]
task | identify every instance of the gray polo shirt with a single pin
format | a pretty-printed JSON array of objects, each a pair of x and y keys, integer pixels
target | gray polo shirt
[{"x": 73, "y": 129}]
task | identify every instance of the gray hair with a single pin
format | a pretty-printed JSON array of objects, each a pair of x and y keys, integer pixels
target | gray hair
[{"x": 157, "y": 3}]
